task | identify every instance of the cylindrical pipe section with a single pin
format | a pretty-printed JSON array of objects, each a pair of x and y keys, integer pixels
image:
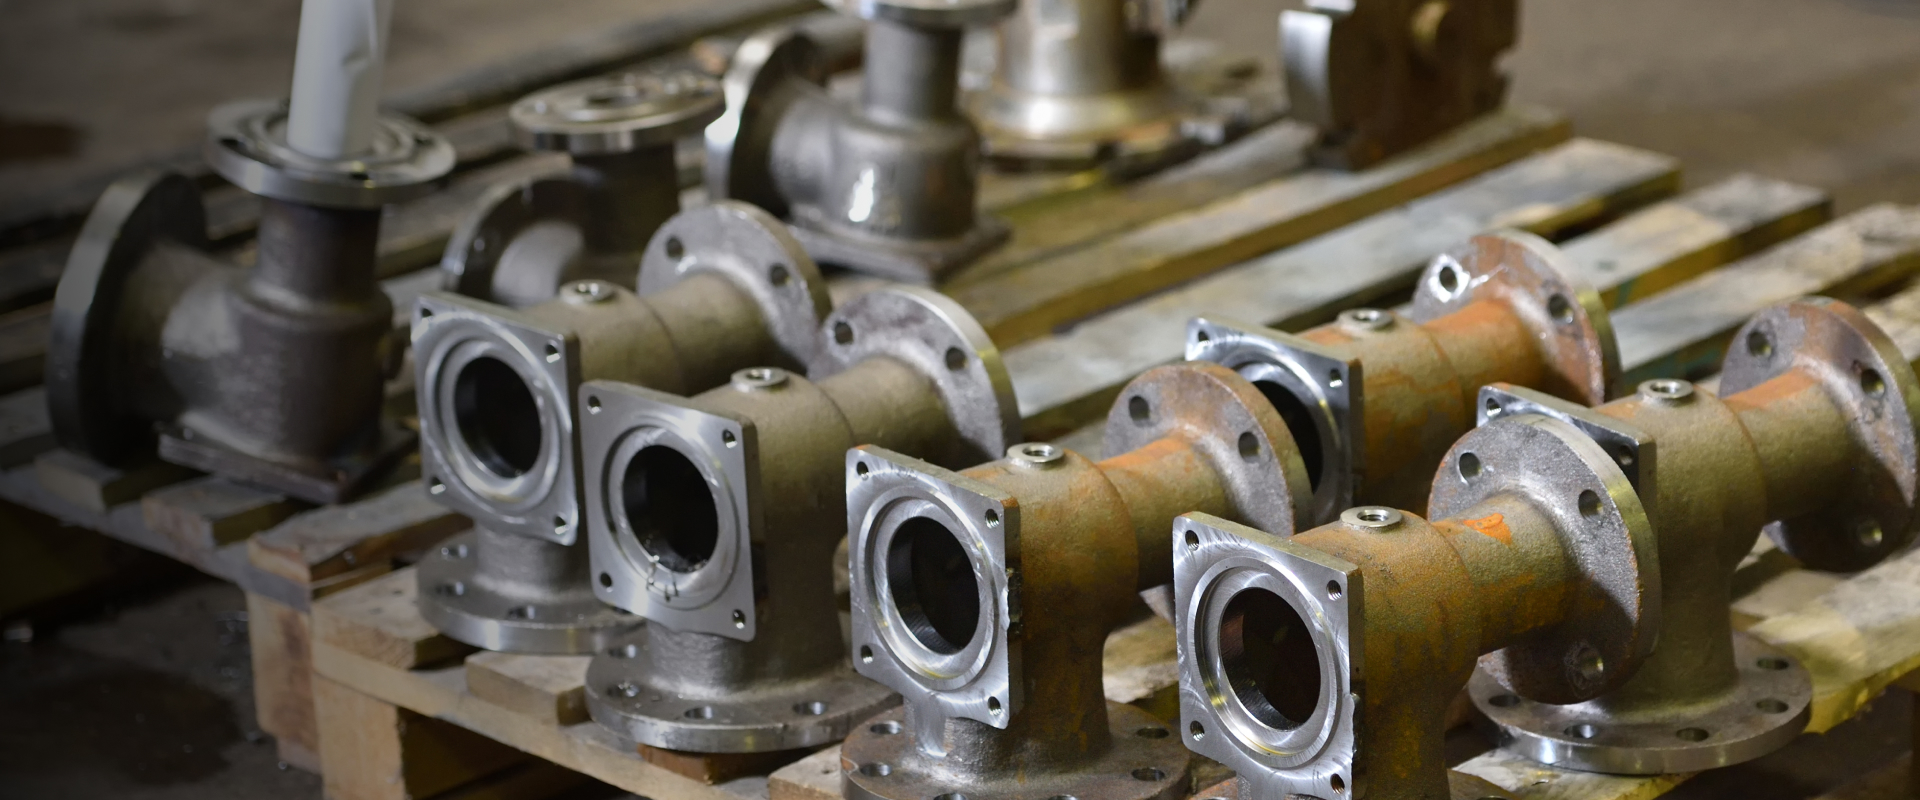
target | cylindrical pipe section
[
  {"x": 1075, "y": 47},
  {"x": 888, "y": 403},
  {"x": 713, "y": 326},
  {"x": 337, "y": 69},
  {"x": 911, "y": 74},
  {"x": 1802, "y": 439},
  {"x": 1159, "y": 482},
  {"x": 313, "y": 255},
  {"x": 628, "y": 196}
]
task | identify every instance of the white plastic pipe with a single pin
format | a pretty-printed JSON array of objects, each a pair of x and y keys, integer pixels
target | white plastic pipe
[{"x": 336, "y": 76}]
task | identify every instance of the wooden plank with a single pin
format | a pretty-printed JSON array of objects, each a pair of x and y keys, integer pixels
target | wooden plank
[
  {"x": 1028, "y": 302},
  {"x": 816, "y": 777},
  {"x": 96, "y": 487},
  {"x": 1531, "y": 780},
  {"x": 280, "y": 640},
  {"x": 205, "y": 513},
  {"x": 1857, "y": 638},
  {"x": 551, "y": 689},
  {"x": 374, "y": 750},
  {"x": 1066, "y": 380},
  {"x": 377, "y": 622},
  {"x": 25, "y": 430},
  {"x": 335, "y": 540}
]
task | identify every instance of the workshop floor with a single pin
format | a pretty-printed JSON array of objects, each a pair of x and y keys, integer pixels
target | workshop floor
[{"x": 150, "y": 698}]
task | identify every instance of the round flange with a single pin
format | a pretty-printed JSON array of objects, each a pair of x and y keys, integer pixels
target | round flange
[
  {"x": 927, "y": 13},
  {"x": 544, "y": 213},
  {"x": 83, "y": 377},
  {"x": 247, "y": 144},
  {"x": 740, "y": 140},
  {"x": 937, "y": 337},
  {"x": 1146, "y": 762},
  {"x": 1873, "y": 384},
  {"x": 1769, "y": 706},
  {"x": 1614, "y": 615},
  {"x": 618, "y": 114},
  {"x": 1546, "y": 290},
  {"x": 624, "y": 696},
  {"x": 480, "y": 614},
  {"x": 756, "y": 253},
  {"x": 1228, "y": 418}
]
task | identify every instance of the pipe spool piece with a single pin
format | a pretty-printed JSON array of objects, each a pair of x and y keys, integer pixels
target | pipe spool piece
[{"x": 246, "y": 144}]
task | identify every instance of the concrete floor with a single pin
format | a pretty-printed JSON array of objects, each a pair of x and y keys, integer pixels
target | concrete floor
[{"x": 151, "y": 699}]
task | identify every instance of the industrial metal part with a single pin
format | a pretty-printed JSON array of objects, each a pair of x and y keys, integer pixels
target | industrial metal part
[
  {"x": 1382, "y": 76},
  {"x": 1323, "y": 664},
  {"x": 721, "y": 287},
  {"x": 526, "y": 239},
  {"x": 887, "y": 186},
  {"x": 984, "y": 596},
  {"x": 1376, "y": 398},
  {"x": 273, "y": 374},
  {"x": 1811, "y": 438},
  {"x": 716, "y": 518}
]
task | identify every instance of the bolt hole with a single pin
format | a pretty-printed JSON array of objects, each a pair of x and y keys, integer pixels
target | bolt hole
[
  {"x": 860, "y": 468},
  {"x": 593, "y": 404},
  {"x": 1758, "y": 345},
  {"x": 842, "y": 333},
  {"x": 455, "y": 551},
  {"x": 1772, "y": 706},
  {"x": 727, "y": 438},
  {"x": 1338, "y": 783},
  {"x": 606, "y": 581},
  {"x": 426, "y": 313},
  {"x": 778, "y": 275},
  {"x": 553, "y": 354},
  {"x": 956, "y": 359},
  {"x": 866, "y": 654},
  {"x": 559, "y": 526},
  {"x": 1201, "y": 336},
  {"x": 1867, "y": 532},
  {"x": 1871, "y": 382},
  {"x": 1772, "y": 663},
  {"x": 1149, "y": 774},
  {"x": 993, "y": 518},
  {"x": 1249, "y": 446},
  {"x": 1589, "y": 503},
  {"x": 739, "y": 619},
  {"x": 1373, "y": 514},
  {"x": 875, "y": 769},
  {"x": 453, "y": 589},
  {"x": 1139, "y": 409},
  {"x": 1560, "y": 309},
  {"x": 522, "y": 612},
  {"x": 434, "y": 486},
  {"x": 1469, "y": 465},
  {"x": 1493, "y": 408},
  {"x": 888, "y": 728},
  {"x": 810, "y": 708},
  {"x": 700, "y": 712},
  {"x": 993, "y": 706},
  {"x": 1193, "y": 541},
  {"x": 1449, "y": 280},
  {"x": 624, "y": 651},
  {"x": 1333, "y": 590},
  {"x": 1334, "y": 381},
  {"x": 1692, "y": 734},
  {"x": 1581, "y": 731},
  {"x": 1196, "y": 730},
  {"x": 674, "y": 248},
  {"x": 1503, "y": 700}
]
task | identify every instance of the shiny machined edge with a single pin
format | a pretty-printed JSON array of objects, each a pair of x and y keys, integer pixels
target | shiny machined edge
[
  {"x": 757, "y": 254},
  {"x": 799, "y": 714},
  {"x": 1327, "y": 386},
  {"x": 468, "y": 611},
  {"x": 920, "y": 261},
  {"x": 502, "y": 213},
  {"x": 1545, "y": 288},
  {"x": 1215, "y": 560},
  {"x": 761, "y": 64},
  {"x": 1875, "y": 387},
  {"x": 1769, "y": 706},
  {"x": 617, "y": 422},
  {"x": 1608, "y": 538},
  {"x": 978, "y": 680},
  {"x": 934, "y": 335},
  {"x": 927, "y": 13},
  {"x": 247, "y": 144},
  {"x": 451, "y": 333},
  {"x": 1632, "y": 449},
  {"x": 618, "y": 113}
]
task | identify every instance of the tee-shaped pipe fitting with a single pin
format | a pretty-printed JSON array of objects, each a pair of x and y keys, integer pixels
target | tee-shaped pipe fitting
[
  {"x": 1323, "y": 665},
  {"x": 716, "y": 517},
  {"x": 722, "y": 287},
  {"x": 1811, "y": 439},
  {"x": 1375, "y": 399},
  {"x": 887, "y": 186},
  {"x": 984, "y": 596},
  {"x": 526, "y": 239}
]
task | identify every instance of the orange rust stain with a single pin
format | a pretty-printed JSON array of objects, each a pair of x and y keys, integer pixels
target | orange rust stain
[{"x": 1493, "y": 525}]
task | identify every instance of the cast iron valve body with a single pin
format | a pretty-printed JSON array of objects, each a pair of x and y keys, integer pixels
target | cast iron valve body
[
  {"x": 1323, "y": 664},
  {"x": 1375, "y": 399},
  {"x": 984, "y": 596},
  {"x": 722, "y": 287},
  {"x": 526, "y": 239},
  {"x": 1811, "y": 438},
  {"x": 273, "y": 374},
  {"x": 716, "y": 518},
  {"x": 887, "y": 186},
  {"x": 1379, "y": 77}
]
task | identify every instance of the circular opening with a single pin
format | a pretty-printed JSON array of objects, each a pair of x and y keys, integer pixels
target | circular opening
[
  {"x": 1300, "y": 423},
  {"x": 1196, "y": 730},
  {"x": 993, "y": 706},
  {"x": 434, "y": 486},
  {"x": 1871, "y": 382},
  {"x": 727, "y": 438},
  {"x": 778, "y": 275},
  {"x": 1692, "y": 734},
  {"x": 1493, "y": 407},
  {"x": 866, "y": 655},
  {"x": 739, "y": 619},
  {"x": 559, "y": 526},
  {"x": 993, "y": 518},
  {"x": 1269, "y": 658},
  {"x": 861, "y": 468},
  {"x": 1581, "y": 731},
  {"x": 1193, "y": 540},
  {"x": 1334, "y": 381},
  {"x": 888, "y": 728},
  {"x": 1449, "y": 279},
  {"x": 932, "y": 585},
  {"x": 1623, "y": 457},
  {"x": 1149, "y": 774},
  {"x": 842, "y": 333},
  {"x": 875, "y": 769},
  {"x": 1561, "y": 310},
  {"x": 606, "y": 581},
  {"x": 1249, "y": 446},
  {"x": 1139, "y": 409},
  {"x": 1588, "y": 663},
  {"x": 1589, "y": 503},
  {"x": 1333, "y": 590},
  {"x": 1772, "y": 663},
  {"x": 674, "y": 248},
  {"x": 497, "y": 417},
  {"x": 1201, "y": 336},
  {"x": 1758, "y": 345},
  {"x": 956, "y": 359},
  {"x": 522, "y": 612},
  {"x": 1152, "y": 733},
  {"x": 811, "y": 708},
  {"x": 553, "y": 354},
  {"x": 1771, "y": 706},
  {"x": 455, "y": 551},
  {"x": 700, "y": 712},
  {"x": 1469, "y": 465},
  {"x": 593, "y": 404},
  {"x": 1503, "y": 700},
  {"x": 624, "y": 651},
  {"x": 660, "y": 493},
  {"x": 1338, "y": 783},
  {"x": 1373, "y": 514}
]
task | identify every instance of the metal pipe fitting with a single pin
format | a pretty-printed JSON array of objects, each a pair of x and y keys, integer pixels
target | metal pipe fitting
[
  {"x": 272, "y": 375},
  {"x": 716, "y": 518},
  {"x": 984, "y": 596},
  {"x": 1379, "y": 77},
  {"x": 887, "y": 186},
  {"x": 1323, "y": 664},
  {"x": 524, "y": 240},
  {"x": 1811, "y": 439},
  {"x": 722, "y": 287},
  {"x": 1375, "y": 399}
]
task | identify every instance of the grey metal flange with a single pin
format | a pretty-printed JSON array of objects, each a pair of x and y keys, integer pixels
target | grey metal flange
[
  {"x": 716, "y": 518},
  {"x": 592, "y": 221},
  {"x": 726, "y": 287}
]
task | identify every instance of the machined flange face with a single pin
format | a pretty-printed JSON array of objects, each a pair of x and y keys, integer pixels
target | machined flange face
[
  {"x": 1614, "y": 616},
  {"x": 1874, "y": 386},
  {"x": 1769, "y": 706},
  {"x": 1316, "y": 389},
  {"x": 757, "y": 254},
  {"x": 1546, "y": 289},
  {"x": 880, "y": 761},
  {"x": 247, "y": 144},
  {"x": 926, "y": 648},
  {"x": 1289, "y": 728},
  {"x": 85, "y": 401},
  {"x": 670, "y": 516},
  {"x": 1228, "y": 418},
  {"x": 626, "y": 697},
  {"x": 457, "y": 601},
  {"x": 938, "y": 338},
  {"x": 927, "y": 13},
  {"x": 618, "y": 114},
  {"x": 496, "y": 423}
]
